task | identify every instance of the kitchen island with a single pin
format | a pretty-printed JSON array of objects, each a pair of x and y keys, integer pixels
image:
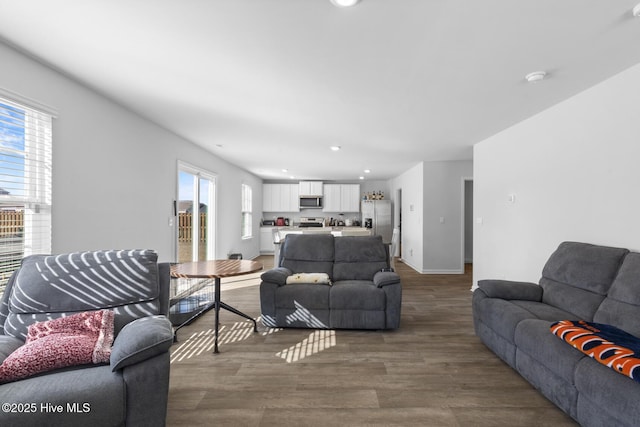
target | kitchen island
[
  {"x": 336, "y": 231},
  {"x": 271, "y": 236}
]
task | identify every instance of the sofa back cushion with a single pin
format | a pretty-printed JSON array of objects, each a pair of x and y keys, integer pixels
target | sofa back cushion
[
  {"x": 51, "y": 286},
  {"x": 621, "y": 307},
  {"x": 359, "y": 257},
  {"x": 308, "y": 253},
  {"x": 577, "y": 277}
]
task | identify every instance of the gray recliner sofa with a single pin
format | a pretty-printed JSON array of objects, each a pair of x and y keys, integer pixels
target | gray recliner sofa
[
  {"x": 363, "y": 294},
  {"x": 579, "y": 282},
  {"x": 133, "y": 388}
]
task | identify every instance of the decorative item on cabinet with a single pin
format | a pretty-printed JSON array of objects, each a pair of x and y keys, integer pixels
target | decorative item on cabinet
[{"x": 375, "y": 195}]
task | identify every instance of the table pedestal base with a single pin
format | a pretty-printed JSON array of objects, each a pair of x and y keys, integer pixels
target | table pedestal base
[{"x": 217, "y": 305}]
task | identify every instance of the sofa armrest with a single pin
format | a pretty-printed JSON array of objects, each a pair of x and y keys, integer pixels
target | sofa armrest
[
  {"x": 385, "y": 278},
  {"x": 276, "y": 275},
  {"x": 141, "y": 339},
  {"x": 510, "y": 290}
]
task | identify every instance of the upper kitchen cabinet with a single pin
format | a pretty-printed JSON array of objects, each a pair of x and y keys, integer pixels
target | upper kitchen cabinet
[
  {"x": 280, "y": 198},
  {"x": 310, "y": 188},
  {"x": 341, "y": 198}
]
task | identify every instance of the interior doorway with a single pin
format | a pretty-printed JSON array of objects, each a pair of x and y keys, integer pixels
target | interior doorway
[
  {"x": 467, "y": 222},
  {"x": 399, "y": 223}
]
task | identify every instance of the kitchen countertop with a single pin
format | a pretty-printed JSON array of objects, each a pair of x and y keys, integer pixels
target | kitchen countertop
[{"x": 297, "y": 228}]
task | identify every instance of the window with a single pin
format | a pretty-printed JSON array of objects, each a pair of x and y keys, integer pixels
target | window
[
  {"x": 247, "y": 207},
  {"x": 25, "y": 185}
]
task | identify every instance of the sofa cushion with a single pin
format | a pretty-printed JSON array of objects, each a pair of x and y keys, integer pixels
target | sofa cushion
[
  {"x": 308, "y": 253},
  {"x": 359, "y": 257},
  {"x": 308, "y": 296},
  {"x": 533, "y": 338},
  {"x": 577, "y": 276},
  {"x": 48, "y": 287},
  {"x": 356, "y": 295},
  {"x": 66, "y": 341},
  {"x": 503, "y": 316},
  {"x": 621, "y": 307}
]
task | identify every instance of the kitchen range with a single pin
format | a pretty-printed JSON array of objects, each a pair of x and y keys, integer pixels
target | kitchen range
[{"x": 311, "y": 222}]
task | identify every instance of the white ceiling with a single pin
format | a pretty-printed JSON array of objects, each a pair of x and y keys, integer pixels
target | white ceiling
[{"x": 271, "y": 84}]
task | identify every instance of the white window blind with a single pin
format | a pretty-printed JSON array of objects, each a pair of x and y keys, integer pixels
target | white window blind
[
  {"x": 247, "y": 207},
  {"x": 25, "y": 185}
]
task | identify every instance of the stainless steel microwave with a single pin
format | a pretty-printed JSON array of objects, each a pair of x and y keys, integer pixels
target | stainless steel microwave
[{"x": 310, "y": 202}]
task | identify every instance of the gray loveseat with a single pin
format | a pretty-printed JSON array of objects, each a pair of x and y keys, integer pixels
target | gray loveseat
[
  {"x": 579, "y": 282},
  {"x": 364, "y": 293},
  {"x": 133, "y": 388}
]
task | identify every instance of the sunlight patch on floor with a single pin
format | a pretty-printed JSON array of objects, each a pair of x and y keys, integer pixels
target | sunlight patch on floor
[
  {"x": 316, "y": 342},
  {"x": 203, "y": 341}
]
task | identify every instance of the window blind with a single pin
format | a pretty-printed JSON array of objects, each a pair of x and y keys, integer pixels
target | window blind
[{"x": 25, "y": 184}]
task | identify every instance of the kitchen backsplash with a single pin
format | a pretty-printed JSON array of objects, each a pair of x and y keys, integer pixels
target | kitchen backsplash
[{"x": 294, "y": 217}]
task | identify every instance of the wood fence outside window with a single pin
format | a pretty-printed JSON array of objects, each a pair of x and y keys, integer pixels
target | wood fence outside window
[{"x": 11, "y": 223}]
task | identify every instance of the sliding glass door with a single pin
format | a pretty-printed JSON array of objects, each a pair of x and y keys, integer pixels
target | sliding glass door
[{"x": 196, "y": 214}]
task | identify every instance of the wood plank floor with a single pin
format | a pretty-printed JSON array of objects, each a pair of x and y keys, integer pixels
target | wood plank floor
[{"x": 433, "y": 371}]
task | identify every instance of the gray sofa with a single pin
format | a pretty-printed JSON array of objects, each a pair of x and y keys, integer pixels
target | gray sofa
[
  {"x": 579, "y": 282},
  {"x": 364, "y": 293},
  {"x": 133, "y": 388}
]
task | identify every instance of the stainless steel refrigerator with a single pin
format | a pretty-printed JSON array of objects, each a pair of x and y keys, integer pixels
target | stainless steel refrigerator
[{"x": 376, "y": 215}]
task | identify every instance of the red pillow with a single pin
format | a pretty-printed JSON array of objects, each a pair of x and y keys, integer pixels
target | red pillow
[{"x": 66, "y": 341}]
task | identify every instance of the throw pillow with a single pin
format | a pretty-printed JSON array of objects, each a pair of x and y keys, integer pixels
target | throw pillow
[
  {"x": 320, "y": 278},
  {"x": 78, "y": 339}
]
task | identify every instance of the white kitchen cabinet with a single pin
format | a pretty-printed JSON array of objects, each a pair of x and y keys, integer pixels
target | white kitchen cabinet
[
  {"x": 350, "y": 197},
  {"x": 341, "y": 198},
  {"x": 266, "y": 240},
  {"x": 331, "y": 199},
  {"x": 310, "y": 188},
  {"x": 267, "y": 197},
  {"x": 280, "y": 198}
]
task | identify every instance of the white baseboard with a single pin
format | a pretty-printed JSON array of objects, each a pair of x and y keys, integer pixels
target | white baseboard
[{"x": 443, "y": 271}]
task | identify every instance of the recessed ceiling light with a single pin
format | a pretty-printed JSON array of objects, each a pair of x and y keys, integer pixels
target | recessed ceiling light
[
  {"x": 285, "y": 170},
  {"x": 362, "y": 177},
  {"x": 636, "y": 11},
  {"x": 367, "y": 171},
  {"x": 344, "y": 3},
  {"x": 335, "y": 148},
  {"x": 536, "y": 76}
]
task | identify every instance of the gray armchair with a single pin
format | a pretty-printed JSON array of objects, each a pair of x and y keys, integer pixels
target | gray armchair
[{"x": 132, "y": 389}]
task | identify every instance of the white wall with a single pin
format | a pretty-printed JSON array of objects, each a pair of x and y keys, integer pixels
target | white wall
[
  {"x": 574, "y": 172},
  {"x": 411, "y": 184},
  {"x": 444, "y": 216},
  {"x": 114, "y": 176}
]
